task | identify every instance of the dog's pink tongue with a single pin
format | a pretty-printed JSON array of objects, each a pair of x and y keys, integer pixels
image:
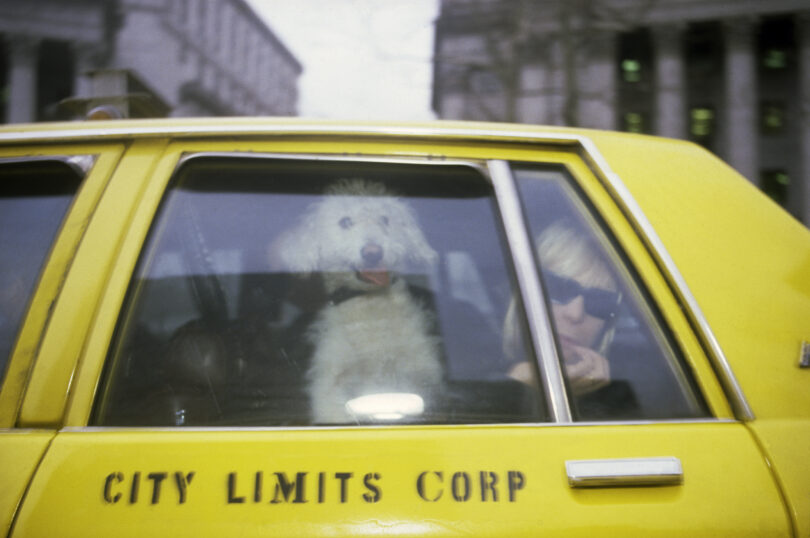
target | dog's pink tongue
[{"x": 375, "y": 276}]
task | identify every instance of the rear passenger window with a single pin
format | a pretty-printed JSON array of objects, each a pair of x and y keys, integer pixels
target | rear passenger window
[
  {"x": 288, "y": 292},
  {"x": 34, "y": 197},
  {"x": 618, "y": 360}
]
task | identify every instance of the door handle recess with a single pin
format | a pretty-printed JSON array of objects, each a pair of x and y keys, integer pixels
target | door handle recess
[{"x": 624, "y": 472}]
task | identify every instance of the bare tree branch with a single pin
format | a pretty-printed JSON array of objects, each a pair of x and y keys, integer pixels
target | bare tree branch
[{"x": 520, "y": 24}]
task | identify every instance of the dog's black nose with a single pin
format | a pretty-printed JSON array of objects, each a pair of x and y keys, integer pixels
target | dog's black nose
[{"x": 372, "y": 254}]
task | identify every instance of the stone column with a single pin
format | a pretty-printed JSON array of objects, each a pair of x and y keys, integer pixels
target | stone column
[
  {"x": 22, "y": 78},
  {"x": 597, "y": 82},
  {"x": 531, "y": 106},
  {"x": 803, "y": 34},
  {"x": 740, "y": 126},
  {"x": 670, "y": 91},
  {"x": 556, "y": 85}
]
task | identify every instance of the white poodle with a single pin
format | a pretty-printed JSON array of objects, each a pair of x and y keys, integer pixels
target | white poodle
[{"x": 374, "y": 357}]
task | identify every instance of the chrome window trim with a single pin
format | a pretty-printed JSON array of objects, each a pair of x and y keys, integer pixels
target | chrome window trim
[
  {"x": 27, "y": 430},
  {"x": 582, "y": 143},
  {"x": 389, "y": 428},
  {"x": 325, "y": 157},
  {"x": 531, "y": 291},
  {"x": 81, "y": 164},
  {"x": 184, "y": 131},
  {"x": 717, "y": 357}
]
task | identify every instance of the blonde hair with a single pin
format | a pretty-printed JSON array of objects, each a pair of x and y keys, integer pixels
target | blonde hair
[{"x": 569, "y": 253}]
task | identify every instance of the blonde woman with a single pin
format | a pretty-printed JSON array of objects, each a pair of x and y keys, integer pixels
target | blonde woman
[{"x": 584, "y": 303}]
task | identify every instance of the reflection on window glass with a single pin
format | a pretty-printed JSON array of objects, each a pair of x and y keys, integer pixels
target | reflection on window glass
[
  {"x": 616, "y": 357},
  {"x": 276, "y": 292},
  {"x": 34, "y": 197}
]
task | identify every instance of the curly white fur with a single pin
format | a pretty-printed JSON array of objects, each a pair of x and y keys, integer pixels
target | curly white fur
[{"x": 359, "y": 237}]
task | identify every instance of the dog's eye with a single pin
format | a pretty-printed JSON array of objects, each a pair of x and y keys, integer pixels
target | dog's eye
[
  {"x": 384, "y": 220},
  {"x": 346, "y": 223}
]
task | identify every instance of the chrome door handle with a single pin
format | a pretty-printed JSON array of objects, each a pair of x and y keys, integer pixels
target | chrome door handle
[{"x": 624, "y": 472}]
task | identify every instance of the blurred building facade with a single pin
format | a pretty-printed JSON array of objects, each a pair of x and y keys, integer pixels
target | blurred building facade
[
  {"x": 173, "y": 57},
  {"x": 732, "y": 75}
]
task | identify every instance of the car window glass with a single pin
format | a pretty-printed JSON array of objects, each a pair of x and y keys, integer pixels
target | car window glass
[
  {"x": 617, "y": 358},
  {"x": 280, "y": 292},
  {"x": 34, "y": 197}
]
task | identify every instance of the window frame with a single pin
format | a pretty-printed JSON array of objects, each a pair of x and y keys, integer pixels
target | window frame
[
  {"x": 575, "y": 153},
  {"x": 587, "y": 212},
  {"x": 92, "y": 164},
  {"x": 689, "y": 322},
  {"x": 532, "y": 292},
  {"x": 477, "y": 165}
]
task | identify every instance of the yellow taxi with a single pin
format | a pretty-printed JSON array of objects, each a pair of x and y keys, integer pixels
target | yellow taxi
[{"x": 298, "y": 328}]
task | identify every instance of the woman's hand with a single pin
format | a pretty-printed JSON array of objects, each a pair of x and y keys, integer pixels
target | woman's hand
[
  {"x": 523, "y": 372},
  {"x": 587, "y": 370}
]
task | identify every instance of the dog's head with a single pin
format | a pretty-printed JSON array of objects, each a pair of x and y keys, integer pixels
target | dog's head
[{"x": 360, "y": 231}]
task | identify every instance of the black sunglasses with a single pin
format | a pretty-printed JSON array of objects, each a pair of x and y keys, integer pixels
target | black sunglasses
[{"x": 599, "y": 303}]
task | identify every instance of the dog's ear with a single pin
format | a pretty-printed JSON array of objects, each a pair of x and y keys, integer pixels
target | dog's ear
[{"x": 419, "y": 250}]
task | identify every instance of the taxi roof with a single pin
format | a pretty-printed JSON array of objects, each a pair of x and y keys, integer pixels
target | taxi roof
[{"x": 258, "y": 126}]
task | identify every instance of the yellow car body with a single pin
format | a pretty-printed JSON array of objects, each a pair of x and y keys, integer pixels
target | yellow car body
[{"x": 727, "y": 269}]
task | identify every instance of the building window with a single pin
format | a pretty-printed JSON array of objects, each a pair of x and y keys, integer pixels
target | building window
[
  {"x": 774, "y": 58},
  {"x": 776, "y": 43},
  {"x": 482, "y": 80},
  {"x": 634, "y": 122},
  {"x": 635, "y": 91},
  {"x": 702, "y": 122},
  {"x": 776, "y": 184},
  {"x": 634, "y": 58},
  {"x": 772, "y": 118},
  {"x": 631, "y": 70},
  {"x": 55, "y": 75}
]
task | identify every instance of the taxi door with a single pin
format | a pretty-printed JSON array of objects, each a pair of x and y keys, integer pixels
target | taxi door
[
  {"x": 193, "y": 410},
  {"x": 46, "y": 196}
]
